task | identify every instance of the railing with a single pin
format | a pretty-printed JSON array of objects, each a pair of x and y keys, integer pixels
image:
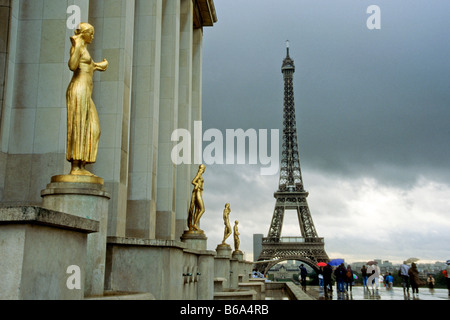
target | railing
[{"x": 292, "y": 240}]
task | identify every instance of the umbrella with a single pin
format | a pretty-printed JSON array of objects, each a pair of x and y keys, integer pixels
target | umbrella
[
  {"x": 372, "y": 262},
  {"x": 411, "y": 260},
  {"x": 355, "y": 277},
  {"x": 336, "y": 262},
  {"x": 321, "y": 264}
]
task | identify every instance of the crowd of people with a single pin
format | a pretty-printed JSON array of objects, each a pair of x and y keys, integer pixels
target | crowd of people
[
  {"x": 344, "y": 277},
  {"x": 371, "y": 276}
]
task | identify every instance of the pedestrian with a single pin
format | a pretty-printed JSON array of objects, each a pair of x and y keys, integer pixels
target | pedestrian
[
  {"x": 327, "y": 273},
  {"x": 320, "y": 276},
  {"x": 364, "y": 276},
  {"x": 349, "y": 278},
  {"x": 414, "y": 278},
  {"x": 448, "y": 276},
  {"x": 340, "y": 277},
  {"x": 384, "y": 279},
  {"x": 430, "y": 281},
  {"x": 403, "y": 273},
  {"x": 303, "y": 274},
  {"x": 389, "y": 281}
]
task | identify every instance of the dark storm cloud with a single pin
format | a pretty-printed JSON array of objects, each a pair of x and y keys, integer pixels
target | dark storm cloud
[
  {"x": 373, "y": 111},
  {"x": 369, "y": 102}
]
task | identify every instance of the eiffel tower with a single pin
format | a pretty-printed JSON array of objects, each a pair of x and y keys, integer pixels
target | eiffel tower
[{"x": 291, "y": 195}]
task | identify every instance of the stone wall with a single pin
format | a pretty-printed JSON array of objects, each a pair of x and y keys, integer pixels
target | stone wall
[{"x": 152, "y": 87}]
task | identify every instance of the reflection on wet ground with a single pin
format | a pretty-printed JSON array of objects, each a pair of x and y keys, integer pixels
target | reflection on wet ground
[
  {"x": 396, "y": 293},
  {"x": 276, "y": 294}
]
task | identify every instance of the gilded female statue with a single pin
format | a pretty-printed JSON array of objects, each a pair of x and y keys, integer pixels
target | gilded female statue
[
  {"x": 197, "y": 207},
  {"x": 237, "y": 241},
  {"x": 226, "y": 221},
  {"x": 83, "y": 127}
]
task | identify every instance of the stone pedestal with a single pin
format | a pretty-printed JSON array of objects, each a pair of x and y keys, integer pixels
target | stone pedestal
[
  {"x": 38, "y": 247},
  {"x": 238, "y": 255},
  {"x": 88, "y": 199},
  {"x": 196, "y": 240},
  {"x": 224, "y": 251},
  {"x": 222, "y": 267},
  {"x": 237, "y": 268}
]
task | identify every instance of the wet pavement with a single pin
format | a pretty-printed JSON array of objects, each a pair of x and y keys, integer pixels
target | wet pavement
[{"x": 396, "y": 293}]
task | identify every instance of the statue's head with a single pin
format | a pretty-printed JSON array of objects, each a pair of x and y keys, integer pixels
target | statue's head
[
  {"x": 202, "y": 168},
  {"x": 86, "y": 31}
]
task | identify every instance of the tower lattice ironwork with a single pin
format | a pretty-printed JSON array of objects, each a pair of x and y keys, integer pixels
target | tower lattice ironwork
[{"x": 291, "y": 195}]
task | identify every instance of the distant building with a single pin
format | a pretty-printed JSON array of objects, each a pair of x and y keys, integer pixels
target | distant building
[{"x": 257, "y": 244}]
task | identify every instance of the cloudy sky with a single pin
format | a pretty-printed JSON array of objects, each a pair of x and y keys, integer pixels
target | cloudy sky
[{"x": 373, "y": 116}]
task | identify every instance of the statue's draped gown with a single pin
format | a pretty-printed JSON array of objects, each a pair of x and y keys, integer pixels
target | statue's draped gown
[{"x": 83, "y": 127}]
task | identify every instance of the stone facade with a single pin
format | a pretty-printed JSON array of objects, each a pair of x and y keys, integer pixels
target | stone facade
[
  {"x": 152, "y": 87},
  {"x": 126, "y": 234}
]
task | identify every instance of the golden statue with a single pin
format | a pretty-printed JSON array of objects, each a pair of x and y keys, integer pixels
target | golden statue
[
  {"x": 237, "y": 242},
  {"x": 197, "y": 207},
  {"x": 226, "y": 221},
  {"x": 83, "y": 127}
]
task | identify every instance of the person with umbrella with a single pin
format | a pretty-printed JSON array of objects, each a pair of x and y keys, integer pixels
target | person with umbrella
[
  {"x": 340, "y": 277},
  {"x": 403, "y": 273},
  {"x": 320, "y": 273},
  {"x": 327, "y": 274}
]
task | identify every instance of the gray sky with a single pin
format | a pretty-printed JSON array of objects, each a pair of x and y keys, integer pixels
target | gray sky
[{"x": 373, "y": 113}]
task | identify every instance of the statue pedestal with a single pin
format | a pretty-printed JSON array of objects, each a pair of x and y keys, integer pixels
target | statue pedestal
[
  {"x": 236, "y": 267},
  {"x": 195, "y": 239},
  {"x": 222, "y": 264},
  {"x": 84, "y": 197},
  {"x": 238, "y": 255},
  {"x": 224, "y": 251},
  {"x": 37, "y": 246}
]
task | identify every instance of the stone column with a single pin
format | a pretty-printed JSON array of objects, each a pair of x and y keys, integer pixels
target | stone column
[
  {"x": 206, "y": 277},
  {"x": 5, "y": 13},
  {"x": 236, "y": 268},
  {"x": 142, "y": 181},
  {"x": 33, "y": 121},
  {"x": 184, "y": 178},
  {"x": 88, "y": 199},
  {"x": 168, "y": 119},
  {"x": 114, "y": 38},
  {"x": 197, "y": 56}
]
